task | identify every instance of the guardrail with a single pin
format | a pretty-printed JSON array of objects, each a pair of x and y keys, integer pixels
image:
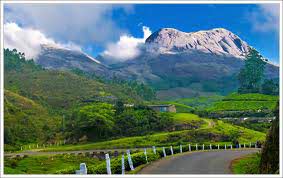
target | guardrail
[{"x": 191, "y": 148}]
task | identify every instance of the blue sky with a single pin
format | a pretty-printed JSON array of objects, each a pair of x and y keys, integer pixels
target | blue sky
[{"x": 93, "y": 28}]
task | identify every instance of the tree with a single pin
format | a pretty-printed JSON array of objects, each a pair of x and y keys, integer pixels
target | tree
[
  {"x": 94, "y": 121},
  {"x": 250, "y": 77},
  {"x": 270, "y": 87},
  {"x": 119, "y": 107}
]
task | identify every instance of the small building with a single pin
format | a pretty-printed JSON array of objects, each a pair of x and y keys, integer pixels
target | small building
[{"x": 163, "y": 108}]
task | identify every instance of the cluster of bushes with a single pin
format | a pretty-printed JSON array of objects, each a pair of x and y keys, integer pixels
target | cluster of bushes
[
  {"x": 116, "y": 164},
  {"x": 98, "y": 121}
]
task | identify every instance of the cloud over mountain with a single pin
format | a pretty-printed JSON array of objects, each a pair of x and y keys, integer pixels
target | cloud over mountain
[
  {"x": 80, "y": 23},
  {"x": 265, "y": 18},
  {"x": 128, "y": 47},
  {"x": 29, "y": 40}
]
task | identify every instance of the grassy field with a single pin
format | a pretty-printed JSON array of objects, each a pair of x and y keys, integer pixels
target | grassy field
[
  {"x": 192, "y": 119},
  {"x": 46, "y": 164},
  {"x": 245, "y": 102},
  {"x": 190, "y": 104},
  {"x": 246, "y": 165},
  {"x": 211, "y": 131}
]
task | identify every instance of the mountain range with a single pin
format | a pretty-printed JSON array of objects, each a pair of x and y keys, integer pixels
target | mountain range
[{"x": 177, "y": 64}]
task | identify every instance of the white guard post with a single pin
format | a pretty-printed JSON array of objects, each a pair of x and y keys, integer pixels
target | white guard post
[
  {"x": 164, "y": 152},
  {"x": 196, "y": 146},
  {"x": 210, "y": 147},
  {"x": 225, "y": 146},
  {"x": 145, "y": 155},
  {"x": 123, "y": 164},
  {"x": 154, "y": 149},
  {"x": 130, "y": 160},
  {"x": 202, "y": 146},
  {"x": 218, "y": 146},
  {"x": 190, "y": 147},
  {"x": 181, "y": 149},
  {"x": 171, "y": 148},
  {"x": 83, "y": 169},
  {"x": 108, "y": 165}
]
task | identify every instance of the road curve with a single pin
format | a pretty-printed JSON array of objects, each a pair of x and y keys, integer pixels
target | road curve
[{"x": 208, "y": 162}]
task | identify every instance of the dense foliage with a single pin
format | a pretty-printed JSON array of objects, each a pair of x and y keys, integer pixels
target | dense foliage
[{"x": 100, "y": 121}]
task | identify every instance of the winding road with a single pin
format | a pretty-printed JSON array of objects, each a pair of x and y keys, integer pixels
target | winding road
[{"x": 207, "y": 162}]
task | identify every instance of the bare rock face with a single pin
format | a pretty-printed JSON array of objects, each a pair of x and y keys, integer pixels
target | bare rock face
[
  {"x": 217, "y": 41},
  {"x": 52, "y": 57}
]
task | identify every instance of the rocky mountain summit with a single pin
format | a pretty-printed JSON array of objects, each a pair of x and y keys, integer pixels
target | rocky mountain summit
[{"x": 217, "y": 41}]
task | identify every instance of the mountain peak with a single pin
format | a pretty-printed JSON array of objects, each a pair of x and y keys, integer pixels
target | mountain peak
[{"x": 218, "y": 41}]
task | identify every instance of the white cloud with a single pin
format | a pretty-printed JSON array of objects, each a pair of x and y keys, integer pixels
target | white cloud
[
  {"x": 127, "y": 47},
  {"x": 79, "y": 23},
  {"x": 29, "y": 40},
  {"x": 265, "y": 17}
]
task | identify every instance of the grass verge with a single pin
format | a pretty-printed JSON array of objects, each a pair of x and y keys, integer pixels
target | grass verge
[{"x": 248, "y": 164}]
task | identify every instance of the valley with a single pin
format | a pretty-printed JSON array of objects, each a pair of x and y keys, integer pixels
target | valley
[{"x": 67, "y": 102}]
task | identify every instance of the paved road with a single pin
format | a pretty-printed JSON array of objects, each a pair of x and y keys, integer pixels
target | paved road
[{"x": 209, "y": 162}]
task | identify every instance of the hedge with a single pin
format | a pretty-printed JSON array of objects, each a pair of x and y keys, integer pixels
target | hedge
[{"x": 139, "y": 159}]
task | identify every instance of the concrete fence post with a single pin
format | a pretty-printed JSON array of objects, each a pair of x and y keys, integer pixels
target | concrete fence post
[
  {"x": 164, "y": 152},
  {"x": 240, "y": 145},
  {"x": 210, "y": 147},
  {"x": 225, "y": 146},
  {"x": 171, "y": 148},
  {"x": 83, "y": 169},
  {"x": 218, "y": 146},
  {"x": 202, "y": 146},
  {"x": 154, "y": 149},
  {"x": 145, "y": 155},
  {"x": 123, "y": 164},
  {"x": 130, "y": 160},
  {"x": 108, "y": 165},
  {"x": 196, "y": 146},
  {"x": 190, "y": 147},
  {"x": 244, "y": 145},
  {"x": 181, "y": 149},
  {"x": 231, "y": 146}
]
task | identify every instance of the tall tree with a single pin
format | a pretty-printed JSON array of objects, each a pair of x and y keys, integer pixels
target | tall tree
[{"x": 251, "y": 75}]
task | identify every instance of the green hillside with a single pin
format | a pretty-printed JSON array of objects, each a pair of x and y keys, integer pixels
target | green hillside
[
  {"x": 208, "y": 131},
  {"x": 37, "y": 99},
  {"x": 245, "y": 102},
  {"x": 60, "y": 90},
  {"x": 26, "y": 121}
]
